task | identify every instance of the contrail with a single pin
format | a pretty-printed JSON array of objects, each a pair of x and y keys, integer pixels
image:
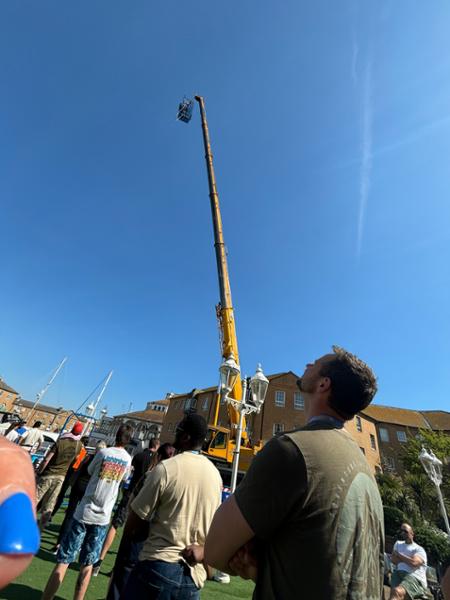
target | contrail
[
  {"x": 366, "y": 155},
  {"x": 355, "y": 52}
]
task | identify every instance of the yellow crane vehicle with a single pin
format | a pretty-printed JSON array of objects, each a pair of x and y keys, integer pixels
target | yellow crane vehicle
[{"x": 222, "y": 444}]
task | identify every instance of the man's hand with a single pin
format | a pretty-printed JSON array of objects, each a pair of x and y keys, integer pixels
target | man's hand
[
  {"x": 244, "y": 562},
  {"x": 193, "y": 554}
]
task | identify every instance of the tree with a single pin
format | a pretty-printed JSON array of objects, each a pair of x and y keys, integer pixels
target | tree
[{"x": 415, "y": 477}]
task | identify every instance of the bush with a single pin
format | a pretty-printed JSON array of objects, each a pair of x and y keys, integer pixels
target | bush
[
  {"x": 393, "y": 518},
  {"x": 435, "y": 542}
]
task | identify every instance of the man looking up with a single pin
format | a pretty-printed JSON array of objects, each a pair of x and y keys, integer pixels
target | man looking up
[
  {"x": 179, "y": 498},
  {"x": 140, "y": 465},
  {"x": 409, "y": 580},
  {"x": 87, "y": 530},
  {"x": 307, "y": 520}
]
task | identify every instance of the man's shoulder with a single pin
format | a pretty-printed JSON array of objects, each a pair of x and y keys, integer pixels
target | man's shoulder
[
  {"x": 189, "y": 460},
  {"x": 115, "y": 452},
  {"x": 419, "y": 548}
]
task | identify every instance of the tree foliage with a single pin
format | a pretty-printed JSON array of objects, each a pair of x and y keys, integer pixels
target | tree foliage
[{"x": 412, "y": 497}]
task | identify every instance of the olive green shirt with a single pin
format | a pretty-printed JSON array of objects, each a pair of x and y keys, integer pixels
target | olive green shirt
[
  {"x": 65, "y": 451},
  {"x": 314, "y": 506}
]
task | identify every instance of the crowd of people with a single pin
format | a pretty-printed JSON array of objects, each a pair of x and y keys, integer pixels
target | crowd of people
[{"x": 306, "y": 520}]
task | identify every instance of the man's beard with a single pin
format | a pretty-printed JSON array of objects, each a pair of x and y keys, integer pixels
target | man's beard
[{"x": 304, "y": 386}]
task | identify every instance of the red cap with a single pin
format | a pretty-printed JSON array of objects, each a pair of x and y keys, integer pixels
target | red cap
[{"x": 77, "y": 429}]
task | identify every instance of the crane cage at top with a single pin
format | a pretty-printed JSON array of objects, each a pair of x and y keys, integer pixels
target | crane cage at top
[{"x": 185, "y": 110}]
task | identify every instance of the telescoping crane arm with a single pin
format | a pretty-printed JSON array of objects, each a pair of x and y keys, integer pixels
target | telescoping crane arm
[{"x": 225, "y": 310}]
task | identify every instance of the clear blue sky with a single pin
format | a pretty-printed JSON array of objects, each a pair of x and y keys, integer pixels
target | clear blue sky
[{"x": 330, "y": 124}]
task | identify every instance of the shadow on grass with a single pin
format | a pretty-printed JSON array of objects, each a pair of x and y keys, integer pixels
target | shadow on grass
[{"x": 18, "y": 591}]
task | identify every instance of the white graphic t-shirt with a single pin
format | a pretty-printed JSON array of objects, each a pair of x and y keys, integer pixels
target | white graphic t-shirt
[
  {"x": 107, "y": 470},
  {"x": 411, "y": 550}
]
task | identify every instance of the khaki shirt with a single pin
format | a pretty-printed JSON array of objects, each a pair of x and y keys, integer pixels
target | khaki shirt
[{"x": 179, "y": 498}]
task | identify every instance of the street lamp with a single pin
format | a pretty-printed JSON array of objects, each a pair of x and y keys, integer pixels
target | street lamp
[
  {"x": 433, "y": 468},
  {"x": 229, "y": 371},
  {"x": 253, "y": 394}
]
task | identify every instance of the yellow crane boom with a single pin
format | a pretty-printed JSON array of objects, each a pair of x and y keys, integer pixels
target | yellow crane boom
[{"x": 225, "y": 310}]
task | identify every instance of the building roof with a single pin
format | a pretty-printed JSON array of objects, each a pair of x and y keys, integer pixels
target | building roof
[
  {"x": 164, "y": 402},
  {"x": 420, "y": 419},
  {"x": 6, "y": 388},
  {"x": 438, "y": 419},
  {"x": 154, "y": 416},
  {"x": 42, "y": 407}
]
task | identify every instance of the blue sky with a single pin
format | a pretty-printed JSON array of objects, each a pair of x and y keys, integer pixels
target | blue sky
[{"x": 330, "y": 125}]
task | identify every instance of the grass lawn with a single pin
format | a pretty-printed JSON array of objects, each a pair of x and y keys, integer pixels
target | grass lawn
[{"x": 31, "y": 583}]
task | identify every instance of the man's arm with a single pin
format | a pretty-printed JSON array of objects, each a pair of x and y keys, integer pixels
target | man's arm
[
  {"x": 413, "y": 561},
  {"x": 148, "y": 498},
  {"x": 229, "y": 531},
  {"x": 23, "y": 438},
  {"x": 136, "y": 529},
  {"x": 268, "y": 494},
  {"x": 45, "y": 462},
  {"x": 94, "y": 462}
]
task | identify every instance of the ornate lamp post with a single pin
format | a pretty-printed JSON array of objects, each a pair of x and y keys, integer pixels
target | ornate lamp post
[
  {"x": 253, "y": 395},
  {"x": 433, "y": 468}
]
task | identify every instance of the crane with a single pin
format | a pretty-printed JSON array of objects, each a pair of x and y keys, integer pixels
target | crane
[{"x": 222, "y": 441}]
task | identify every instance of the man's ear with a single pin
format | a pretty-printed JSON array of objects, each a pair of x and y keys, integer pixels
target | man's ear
[{"x": 324, "y": 384}]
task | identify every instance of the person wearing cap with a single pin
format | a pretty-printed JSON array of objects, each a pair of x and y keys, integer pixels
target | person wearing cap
[
  {"x": 54, "y": 469},
  {"x": 178, "y": 499},
  {"x": 307, "y": 519}
]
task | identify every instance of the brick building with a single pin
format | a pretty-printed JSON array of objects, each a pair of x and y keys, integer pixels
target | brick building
[
  {"x": 52, "y": 418},
  {"x": 283, "y": 410},
  {"x": 8, "y": 396},
  {"x": 395, "y": 425},
  {"x": 146, "y": 423}
]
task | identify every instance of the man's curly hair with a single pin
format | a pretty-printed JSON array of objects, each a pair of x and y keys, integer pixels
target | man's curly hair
[{"x": 353, "y": 383}]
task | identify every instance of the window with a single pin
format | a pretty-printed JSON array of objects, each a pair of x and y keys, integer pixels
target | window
[
  {"x": 205, "y": 403},
  {"x": 372, "y": 442},
  {"x": 299, "y": 403},
  {"x": 362, "y": 450},
  {"x": 187, "y": 404},
  {"x": 170, "y": 427},
  {"x": 278, "y": 427},
  {"x": 193, "y": 402},
  {"x": 358, "y": 423},
  {"x": 219, "y": 441},
  {"x": 384, "y": 434},
  {"x": 280, "y": 398},
  {"x": 401, "y": 436}
]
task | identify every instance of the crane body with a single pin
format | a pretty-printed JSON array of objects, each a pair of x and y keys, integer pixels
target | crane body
[{"x": 221, "y": 443}]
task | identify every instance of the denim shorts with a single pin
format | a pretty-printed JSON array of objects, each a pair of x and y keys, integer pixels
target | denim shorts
[{"x": 82, "y": 538}]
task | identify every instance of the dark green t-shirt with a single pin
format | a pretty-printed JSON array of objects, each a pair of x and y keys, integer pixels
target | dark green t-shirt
[
  {"x": 315, "y": 508},
  {"x": 66, "y": 450}
]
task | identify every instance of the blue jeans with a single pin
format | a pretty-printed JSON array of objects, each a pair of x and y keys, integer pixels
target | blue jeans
[{"x": 159, "y": 580}]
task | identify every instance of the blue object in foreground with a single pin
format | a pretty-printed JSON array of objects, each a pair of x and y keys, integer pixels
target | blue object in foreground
[{"x": 19, "y": 533}]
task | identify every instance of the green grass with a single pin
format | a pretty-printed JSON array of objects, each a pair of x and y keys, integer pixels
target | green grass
[{"x": 29, "y": 585}]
